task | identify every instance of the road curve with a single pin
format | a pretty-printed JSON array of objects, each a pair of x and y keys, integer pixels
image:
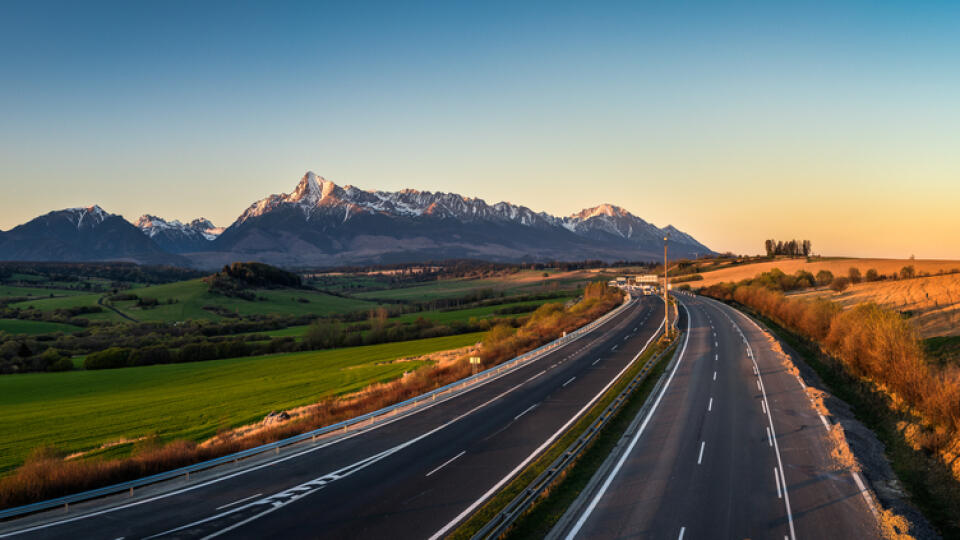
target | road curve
[
  {"x": 732, "y": 448},
  {"x": 415, "y": 477}
]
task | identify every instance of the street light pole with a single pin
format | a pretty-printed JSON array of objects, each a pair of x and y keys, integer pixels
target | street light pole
[{"x": 666, "y": 304}]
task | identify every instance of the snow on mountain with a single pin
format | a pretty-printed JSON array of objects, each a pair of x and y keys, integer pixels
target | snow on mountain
[
  {"x": 178, "y": 237},
  {"x": 315, "y": 195},
  {"x": 84, "y": 216},
  {"x": 82, "y": 234}
]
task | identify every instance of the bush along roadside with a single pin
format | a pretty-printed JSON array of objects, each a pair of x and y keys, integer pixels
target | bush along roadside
[
  {"x": 914, "y": 445},
  {"x": 47, "y": 474},
  {"x": 535, "y": 486}
]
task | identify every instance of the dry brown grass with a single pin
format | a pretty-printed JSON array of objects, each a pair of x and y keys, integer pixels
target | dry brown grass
[
  {"x": 894, "y": 526},
  {"x": 840, "y": 453},
  {"x": 837, "y": 266},
  {"x": 934, "y": 301}
]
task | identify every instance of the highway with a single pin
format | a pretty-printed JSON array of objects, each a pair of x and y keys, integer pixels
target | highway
[
  {"x": 414, "y": 477},
  {"x": 731, "y": 448}
]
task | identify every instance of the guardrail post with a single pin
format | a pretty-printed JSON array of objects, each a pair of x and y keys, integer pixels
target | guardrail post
[
  {"x": 277, "y": 450},
  {"x": 131, "y": 491},
  {"x": 66, "y": 508},
  {"x": 188, "y": 476}
]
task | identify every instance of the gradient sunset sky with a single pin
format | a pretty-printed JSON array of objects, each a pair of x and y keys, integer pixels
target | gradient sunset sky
[{"x": 834, "y": 121}]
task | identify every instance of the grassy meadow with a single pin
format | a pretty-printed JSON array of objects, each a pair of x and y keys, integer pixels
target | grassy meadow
[
  {"x": 33, "y": 328},
  {"x": 524, "y": 282},
  {"x": 190, "y": 297},
  {"x": 7, "y": 291},
  {"x": 82, "y": 410}
]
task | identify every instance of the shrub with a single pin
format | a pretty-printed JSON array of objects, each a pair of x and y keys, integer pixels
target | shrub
[
  {"x": 839, "y": 284},
  {"x": 907, "y": 272},
  {"x": 113, "y": 357},
  {"x": 854, "y": 275},
  {"x": 824, "y": 277},
  {"x": 872, "y": 275},
  {"x": 149, "y": 356}
]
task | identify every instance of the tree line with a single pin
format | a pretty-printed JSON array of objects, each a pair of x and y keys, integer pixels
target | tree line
[{"x": 790, "y": 248}]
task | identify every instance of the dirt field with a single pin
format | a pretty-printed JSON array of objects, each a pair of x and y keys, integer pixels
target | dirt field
[
  {"x": 933, "y": 301},
  {"x": 837, "y": 266}
]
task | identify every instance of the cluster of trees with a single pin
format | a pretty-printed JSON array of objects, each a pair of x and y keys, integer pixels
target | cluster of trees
[
  {"x": 117, "y": 272},
  {"x": 236, "y": 279},
  {"x": 870, "y": 342},
  {"x": 790, "y": 248}
]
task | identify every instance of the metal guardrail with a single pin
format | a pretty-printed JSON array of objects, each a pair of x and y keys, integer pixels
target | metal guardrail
[
  {"x": 391, "y": 411},
  {"x": 499, "y": 524}
]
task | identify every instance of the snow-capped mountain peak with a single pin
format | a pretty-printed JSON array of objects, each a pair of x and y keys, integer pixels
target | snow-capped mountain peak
[
  {"x": 89, "y": 216},
  {"x": 176, "y": 236},
  {"x": 605, "y": 209}
]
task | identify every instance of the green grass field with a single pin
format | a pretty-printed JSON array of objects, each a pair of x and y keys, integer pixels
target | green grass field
[
  {"x": 50, "y": 304},
  {"x": 191, "y": 297},
  {"x": 527, "y": 282},
  {"x": 77, "y": 411},
  {"x": 8, "y": 291},
  {"x": 447, "y": 317},
  {"x": 441, "y": 317},
  {"x": 14, "y": 326}
]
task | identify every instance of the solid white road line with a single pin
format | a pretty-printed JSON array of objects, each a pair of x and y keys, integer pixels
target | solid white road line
[
  {"x": 530, "y": 408},
  {"x": 449, "y": 461},
  {"x": 710, "y": 405},
  {"x": 826, "y": 424},
  {"x": 568, "y": 382},
  {"x": 633, "y": 442},
  {"x": 245, "y": 499},
  {"x": 469, "y": 510}
]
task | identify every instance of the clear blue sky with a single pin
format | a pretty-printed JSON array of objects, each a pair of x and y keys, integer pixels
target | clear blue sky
[{"x": 733, "y": 121}]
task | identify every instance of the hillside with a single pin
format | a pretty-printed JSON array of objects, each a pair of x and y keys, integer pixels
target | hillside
[
  {"x": 838, "y": 267},
  {"x": 932, "y": 303}
]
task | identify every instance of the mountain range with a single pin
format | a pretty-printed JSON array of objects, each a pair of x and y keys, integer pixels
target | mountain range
[{"x": 321, "y": 224}]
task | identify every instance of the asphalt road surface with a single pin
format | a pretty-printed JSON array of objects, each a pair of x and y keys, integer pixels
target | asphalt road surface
[
  {"x": 733, "y": 449},
  {"x": 415, "y": 477}
]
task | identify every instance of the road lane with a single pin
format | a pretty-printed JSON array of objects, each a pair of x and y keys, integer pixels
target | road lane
[{"x": 733, "y": 450}]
